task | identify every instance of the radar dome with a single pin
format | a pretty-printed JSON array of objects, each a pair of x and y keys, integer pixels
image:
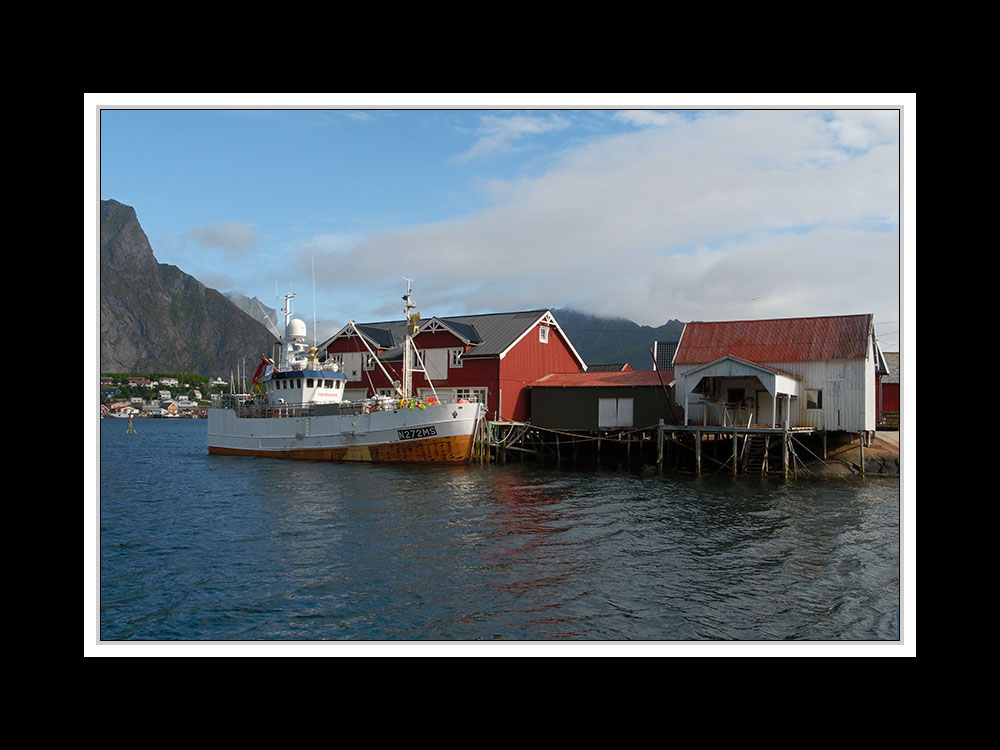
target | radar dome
[{"x": 295, "y": 329}]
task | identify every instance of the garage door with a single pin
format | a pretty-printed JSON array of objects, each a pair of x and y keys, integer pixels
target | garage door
[{"x": 614, "y": 412}]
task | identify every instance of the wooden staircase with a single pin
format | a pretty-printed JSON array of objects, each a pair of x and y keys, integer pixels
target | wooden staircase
[{"x": 755, "y": 450}]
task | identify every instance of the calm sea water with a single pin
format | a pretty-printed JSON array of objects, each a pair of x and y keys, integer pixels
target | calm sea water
[{"x": 196, "y": 547}]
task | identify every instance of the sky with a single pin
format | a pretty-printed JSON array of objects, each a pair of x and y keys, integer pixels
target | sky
[{"x": 647, "y": 207}]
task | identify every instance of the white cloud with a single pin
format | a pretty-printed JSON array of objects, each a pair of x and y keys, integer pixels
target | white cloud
[
  {"x": 644, "y": 118},
  {"x": 863, "y": 129},
  {"x": 235, "y": 238},
  {"x": 730, "y": 215},
  {"x": 502, "y": 133}
]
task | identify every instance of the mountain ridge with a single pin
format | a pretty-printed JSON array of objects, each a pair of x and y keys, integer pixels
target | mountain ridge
[
  {"x": 156, "y": 318},
  {"x": 616, "y": 340}
]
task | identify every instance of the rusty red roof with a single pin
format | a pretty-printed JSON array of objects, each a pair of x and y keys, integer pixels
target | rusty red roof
[
  {"x": 776, "y": 340},
  {"x": 605, "y": 379}
]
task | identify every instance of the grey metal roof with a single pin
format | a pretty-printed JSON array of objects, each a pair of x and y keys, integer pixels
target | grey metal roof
[
  {"x": 383, "y": 337},
  {"x": 464, "y": 330},
  {"x": 490, "y": 333},
  {"x": 892, "y": 360},
  {"x": 617, "y": 367},
  {"x": 495, "y": 332}
]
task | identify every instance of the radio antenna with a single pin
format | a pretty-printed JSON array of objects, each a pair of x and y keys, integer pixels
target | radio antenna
[{"x": 313, "y": 259}]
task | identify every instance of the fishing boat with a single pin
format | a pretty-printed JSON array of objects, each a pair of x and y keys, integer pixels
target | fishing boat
[{"x": 298, "y": 410}]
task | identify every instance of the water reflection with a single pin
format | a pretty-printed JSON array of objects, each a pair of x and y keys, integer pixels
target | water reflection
[
  {"x": 538, "y": 554},
  {"x": 267, "y": 549}
]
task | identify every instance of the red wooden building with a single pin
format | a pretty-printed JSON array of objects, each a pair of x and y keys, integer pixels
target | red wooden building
[
  {"x": 488, "y": 358},
  {"x": 888, "y": 392}
]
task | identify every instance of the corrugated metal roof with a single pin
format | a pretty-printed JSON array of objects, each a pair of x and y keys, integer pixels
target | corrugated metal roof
[
  {"x": 495, "y": 331},
  {"x": 498, "y": 330},
  {"x": 464, "y": 330},
  {"x": 892, "y": 360},
  {"x": 604, "y": 379},
  {"x": 776, "y": 340},
  {"x": 383, "y": 337}
]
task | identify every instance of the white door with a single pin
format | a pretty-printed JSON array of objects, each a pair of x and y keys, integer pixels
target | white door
[
  {"x": 614, "y": 412},
  {"x": 607, "y": 412},
  {"x": 625, "y": 412}
]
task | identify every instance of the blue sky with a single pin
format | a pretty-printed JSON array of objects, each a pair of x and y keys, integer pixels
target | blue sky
[{"x": 647, "y": 212}]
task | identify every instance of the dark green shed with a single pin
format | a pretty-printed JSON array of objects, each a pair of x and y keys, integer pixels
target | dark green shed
[{"x": 602, "y": 401}]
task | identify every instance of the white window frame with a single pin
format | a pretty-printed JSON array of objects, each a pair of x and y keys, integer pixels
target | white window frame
[
  {"x": 814, "y": 399},
  {"x": 476, "y": 395},
  {"x": 455, "y": 358},
  {"x": 543, "y": 334}
]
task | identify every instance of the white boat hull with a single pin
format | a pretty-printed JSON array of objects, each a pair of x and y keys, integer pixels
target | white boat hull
[{"x": 439, "y": 433}]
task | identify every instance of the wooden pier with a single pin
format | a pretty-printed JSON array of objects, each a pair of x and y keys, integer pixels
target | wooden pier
[{"x": 752, "y": 450}]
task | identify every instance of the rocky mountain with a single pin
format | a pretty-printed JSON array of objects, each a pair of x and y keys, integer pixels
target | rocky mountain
[
  {"x": 156, "y": 318},
  {"x": 253, "y": 307},
  {"x": 614, "y": 340}
]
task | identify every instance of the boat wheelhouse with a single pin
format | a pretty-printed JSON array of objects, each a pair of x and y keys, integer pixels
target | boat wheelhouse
[{"x": 303, "y": 412}]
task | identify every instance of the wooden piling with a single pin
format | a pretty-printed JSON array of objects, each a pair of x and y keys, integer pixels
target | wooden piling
[
  {"x": 659, "y": 446},
  {"x": 697, "y": 451},
  {"x": 495, "y": 440},
  {"x": 735, "y": 453}
]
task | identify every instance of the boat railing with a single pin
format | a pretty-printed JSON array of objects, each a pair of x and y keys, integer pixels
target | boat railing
[{"x": 257, "y": 409}]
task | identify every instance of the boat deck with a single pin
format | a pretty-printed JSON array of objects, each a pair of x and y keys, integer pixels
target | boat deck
[{"x": 254, "y": 410}]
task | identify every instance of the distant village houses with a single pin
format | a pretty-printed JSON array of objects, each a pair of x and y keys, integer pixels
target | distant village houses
[{"x": 155, "y": 399}]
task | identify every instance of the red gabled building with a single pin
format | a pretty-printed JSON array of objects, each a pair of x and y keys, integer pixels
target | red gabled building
[{"x": 490, "y": 358}]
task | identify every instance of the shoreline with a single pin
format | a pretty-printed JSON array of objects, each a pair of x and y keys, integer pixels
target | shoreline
[{"x": 881, "y": 458}]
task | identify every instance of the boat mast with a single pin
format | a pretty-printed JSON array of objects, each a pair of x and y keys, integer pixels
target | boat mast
[
  {"x": 411, "y": 328},
  {"x": 285, "y": 340}
]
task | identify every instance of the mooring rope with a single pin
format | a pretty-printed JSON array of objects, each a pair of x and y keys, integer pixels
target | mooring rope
[{"x": 792, "y": 439}]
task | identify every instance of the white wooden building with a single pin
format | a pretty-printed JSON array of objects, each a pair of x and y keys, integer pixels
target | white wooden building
[{"x": 818, "y": 373}]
